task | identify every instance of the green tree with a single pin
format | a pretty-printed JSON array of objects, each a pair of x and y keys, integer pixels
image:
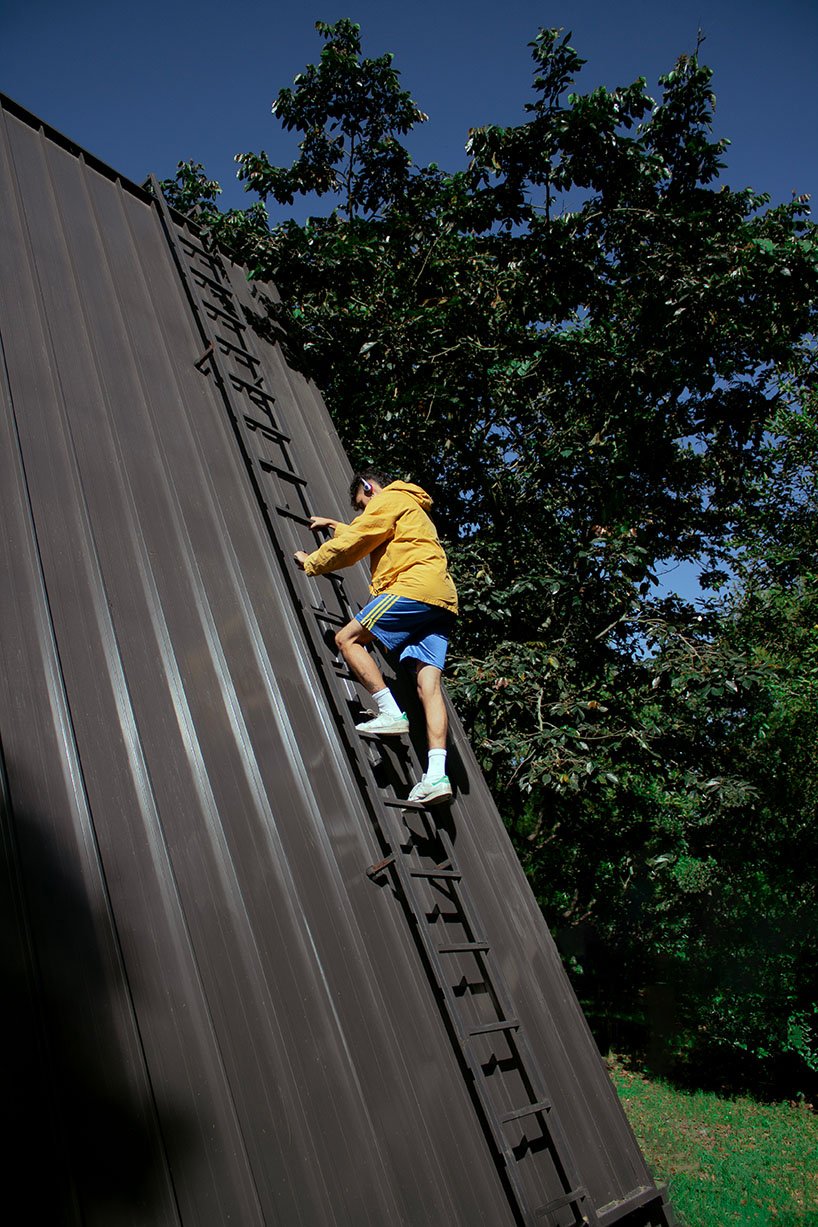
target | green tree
[
  {"x": 763, "y": 983},
  {"x": 581, "y": 343}
]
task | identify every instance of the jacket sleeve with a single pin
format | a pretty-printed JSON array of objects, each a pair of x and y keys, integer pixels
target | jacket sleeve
[{"x": 355, "y": 541}]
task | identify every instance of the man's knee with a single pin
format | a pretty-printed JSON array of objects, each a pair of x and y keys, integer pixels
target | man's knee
[
  {"x": 350, "y": 634},
  {"x": 343, "y": 638}
]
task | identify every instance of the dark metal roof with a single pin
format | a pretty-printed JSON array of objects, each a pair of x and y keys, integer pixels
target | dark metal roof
[{"x": 218, "y": 1015}]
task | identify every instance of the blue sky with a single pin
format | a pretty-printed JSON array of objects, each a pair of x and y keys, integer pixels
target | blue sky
[{"x": 145, "y": 85}]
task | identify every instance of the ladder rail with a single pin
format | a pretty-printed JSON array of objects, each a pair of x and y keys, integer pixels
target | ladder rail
[{"x": 383, "y": 812}]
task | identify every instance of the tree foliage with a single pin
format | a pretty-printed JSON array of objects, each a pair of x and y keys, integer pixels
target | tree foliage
[{"x": 598, "y": 360}]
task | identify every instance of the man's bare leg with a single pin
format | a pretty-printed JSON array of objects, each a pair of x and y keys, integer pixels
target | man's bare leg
[
  {"x": 351, "y": 640},
  {"x": 434, "y": 707},
  {"x": 390, "y": 721},
  {"x": 434, "y": 788}
]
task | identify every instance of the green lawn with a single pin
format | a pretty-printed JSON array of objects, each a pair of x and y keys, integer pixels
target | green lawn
[{"x": 727, "y": 1161}]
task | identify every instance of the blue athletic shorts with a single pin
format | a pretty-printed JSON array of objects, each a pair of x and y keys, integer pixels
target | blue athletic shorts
[{"x": 420, "y": 631}]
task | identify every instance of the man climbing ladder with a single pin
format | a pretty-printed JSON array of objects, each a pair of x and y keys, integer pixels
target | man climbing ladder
[{"x": 413, "y": 607}]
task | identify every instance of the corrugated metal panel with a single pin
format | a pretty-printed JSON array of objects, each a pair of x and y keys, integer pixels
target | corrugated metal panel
[{"x": 235, "y": 1022}]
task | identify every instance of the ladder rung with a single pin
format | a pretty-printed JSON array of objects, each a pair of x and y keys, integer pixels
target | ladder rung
[
  {"x": 291, "y": 515},
  {"x": 222, "y": 286},
  {"x": 323, "y": 615},
  {"x": 396, "y": 803},
  {"x": 567, "y": 1199},
  {"x": 506, "y": 1024},
  {"x": 252, "y": 389},
  {"x": 464, "y": 948},
  {"x": 225, "y": 315},
  {"x": 238, "y": 349},
  {"x": 436, "y": 873},
  {"x": 197, "y": 248},
  {"x": 269, "y": 432},
  {"x": 222, "y": 295},
  {"x": 284, "y": 474},
  {"x": 529, "y": 1110}
]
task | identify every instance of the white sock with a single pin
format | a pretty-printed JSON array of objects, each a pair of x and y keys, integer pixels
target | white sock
[
  {"x": 436, "y": 768},
  {"x": 386, "y": 703}
]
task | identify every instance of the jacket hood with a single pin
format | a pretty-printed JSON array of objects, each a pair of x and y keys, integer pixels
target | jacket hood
[{"x": 416, "y": 492}]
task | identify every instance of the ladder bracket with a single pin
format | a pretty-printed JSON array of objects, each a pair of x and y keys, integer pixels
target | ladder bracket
[
  {"x": 375, "y": 871},
  {"x": 208, "y": 353}
]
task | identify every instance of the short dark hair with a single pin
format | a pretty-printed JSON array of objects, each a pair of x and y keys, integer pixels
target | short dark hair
[{"x": 361, "y": 480}]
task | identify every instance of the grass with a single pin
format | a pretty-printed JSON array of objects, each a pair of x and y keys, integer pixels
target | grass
[{"x": 726, "y": 1161}]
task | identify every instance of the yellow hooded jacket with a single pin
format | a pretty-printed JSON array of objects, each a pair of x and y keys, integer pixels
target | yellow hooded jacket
[{"x": 405, "y": 554}]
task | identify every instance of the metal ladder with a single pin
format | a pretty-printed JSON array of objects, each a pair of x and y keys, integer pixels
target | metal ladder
[{"x": 518, "y": 1118}]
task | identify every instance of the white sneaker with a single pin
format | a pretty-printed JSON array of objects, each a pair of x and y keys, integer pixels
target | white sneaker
[
  {"x": 432, "y": 792},
  {"x": 384, "y": 726}
]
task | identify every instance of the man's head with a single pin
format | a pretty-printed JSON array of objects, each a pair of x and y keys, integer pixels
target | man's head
[{"x": 364, "y": 486}]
